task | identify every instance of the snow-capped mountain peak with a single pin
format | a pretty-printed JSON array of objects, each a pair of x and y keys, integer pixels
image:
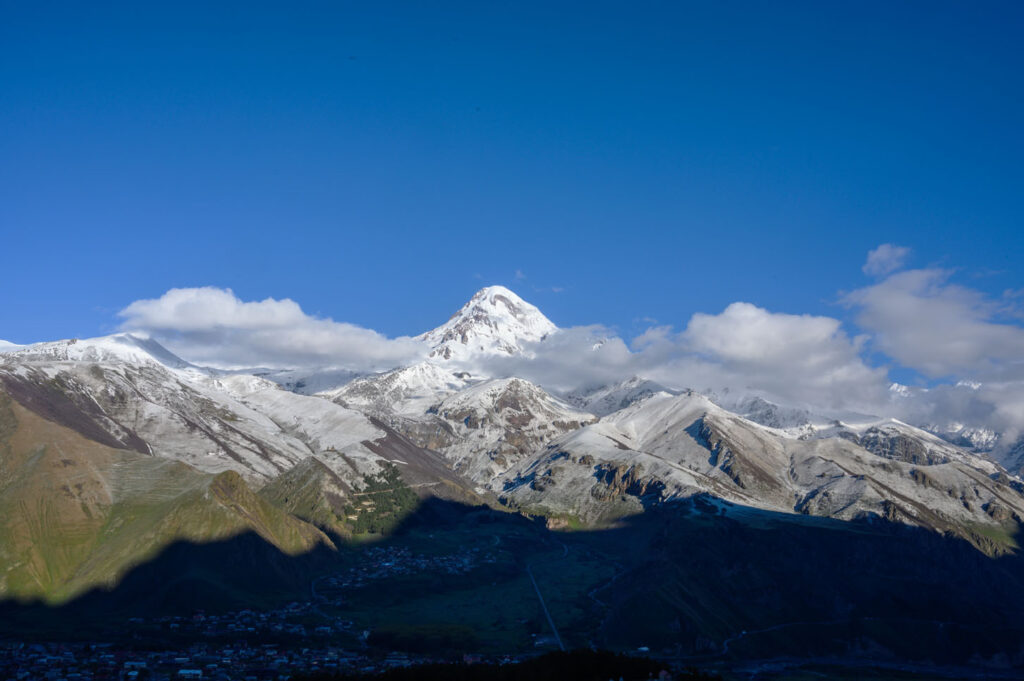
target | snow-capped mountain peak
[
  {"x": 900, "y": 390},
  {"x": 120, "y": 347},
  {"x": 494, "y": 321}
]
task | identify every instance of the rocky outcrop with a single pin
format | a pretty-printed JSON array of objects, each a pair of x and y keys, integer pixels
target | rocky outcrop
[
  {"x": 900, "y": 447},
  {"x": 622, "y": 480}
]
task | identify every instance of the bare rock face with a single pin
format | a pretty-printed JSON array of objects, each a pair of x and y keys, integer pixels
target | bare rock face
[
  {"x": 722, "y": 456},
  {"x": 895, "y": 445},
  {"x": 620, "y": 480}
]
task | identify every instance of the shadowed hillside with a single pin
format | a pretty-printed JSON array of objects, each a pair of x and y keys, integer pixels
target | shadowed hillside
[{"x": 688, "y": 582}]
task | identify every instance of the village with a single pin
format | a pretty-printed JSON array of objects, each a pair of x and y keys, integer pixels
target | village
[
  {"x": 240, "y": 661},
  {"x": 386, "y": 562},
  {"x": 236, "y": 662},
  {"x": 247, "y": 644}
]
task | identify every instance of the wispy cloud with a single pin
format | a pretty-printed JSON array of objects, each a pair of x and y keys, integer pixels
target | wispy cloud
[{"x": 885, "y": 259}]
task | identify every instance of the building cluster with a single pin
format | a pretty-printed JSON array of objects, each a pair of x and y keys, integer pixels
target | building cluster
[
  {"x": 294, "y": 619},
  {"x": 219, "y": 646},
  {"x": 239, "y": 661},
  {"x": 384, "y": 562},
  {"x": 236, "y": 662}
]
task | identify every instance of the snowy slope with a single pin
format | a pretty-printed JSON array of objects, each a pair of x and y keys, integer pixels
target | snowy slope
[
  {"x": 408, "y": 391},
  {"x": 122, "y": 347},
  {"x": 674, "y": 447},
  {"x": 494, "y": 321},
  {"x": 487, "y": 428},
  {"x": 306, "y": 381},
  {"x": 972, "y": 437},
  {"x": 759, "y": 410},
  {"x": 597, "y": 455},
  {"x": 131, "y": 393}
]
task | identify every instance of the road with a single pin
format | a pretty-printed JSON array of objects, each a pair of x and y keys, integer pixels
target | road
[
  {"x": 544, "y": 606},
  {"x": 540, "y": 597}
]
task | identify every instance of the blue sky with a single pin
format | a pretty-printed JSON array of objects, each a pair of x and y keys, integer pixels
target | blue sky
[{"x": 379, "y": 162}]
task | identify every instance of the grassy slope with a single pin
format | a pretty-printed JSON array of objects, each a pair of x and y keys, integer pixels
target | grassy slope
[
  {"x": 312, "y": 492},
  {"x": 78, "y": 514}
]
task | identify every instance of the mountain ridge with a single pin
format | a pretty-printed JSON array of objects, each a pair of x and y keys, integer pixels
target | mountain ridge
[{"x": 347, "y": 458}]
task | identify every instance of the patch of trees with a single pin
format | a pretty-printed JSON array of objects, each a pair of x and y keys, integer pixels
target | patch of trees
[{"x": 381, "y": 504}]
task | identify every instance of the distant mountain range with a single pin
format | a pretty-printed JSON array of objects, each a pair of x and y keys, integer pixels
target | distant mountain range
[{"x": 113, "y": 447}]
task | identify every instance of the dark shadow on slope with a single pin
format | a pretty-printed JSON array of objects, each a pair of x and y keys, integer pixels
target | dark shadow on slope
[
  {"x": 244, "y": 571},
  {"x": 690, "y": 583},
  {"x": 713, "y": 581}
]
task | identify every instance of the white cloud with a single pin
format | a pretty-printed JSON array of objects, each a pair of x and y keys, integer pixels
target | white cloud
[
  {"x": 748, "y": 334},
  {"x": 916, "y": 319},
  {"x": 567, "y": 359},
  {"x": 793, "y": 358},
  {"x": 212, "y": 326},
  {"x": 952, "y": 333},
  {"x": 810, "y": 361},
  {"x": 802, "y": 358},
  {"x": 885, "y": 259},
  {"x": 941, "y": 329}
]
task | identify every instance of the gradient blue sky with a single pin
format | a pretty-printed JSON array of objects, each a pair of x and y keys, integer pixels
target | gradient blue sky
[{"x": 379, "y": 162}]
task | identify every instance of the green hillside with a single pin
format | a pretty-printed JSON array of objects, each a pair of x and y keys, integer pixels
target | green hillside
[{"x": 78, "y": 514}]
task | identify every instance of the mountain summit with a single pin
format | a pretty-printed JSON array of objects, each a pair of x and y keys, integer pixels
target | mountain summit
[{"x": 495, "y": 321}]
